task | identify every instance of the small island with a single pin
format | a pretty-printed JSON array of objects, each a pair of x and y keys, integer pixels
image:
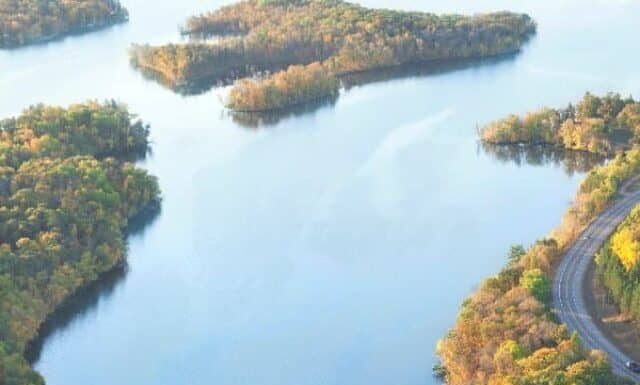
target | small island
[
  {"x": 25, "y": 22},
  {"x": 66, "y": 198},
  {"x": 601, "y": 125},
  {"x": 262, "y": 37}
]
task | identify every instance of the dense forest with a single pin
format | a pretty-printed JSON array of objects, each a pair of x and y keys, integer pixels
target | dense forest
[
  {"x": 257, "y": 36},
  {"x": 293, "y": 86},
  {"x": 506, "y": 332},
  {"x": 617, "y": 265},
  {"x": 600, "y": 125},
  {"x": 66, "y": 196},
  {"x": 31, "y": 21}
]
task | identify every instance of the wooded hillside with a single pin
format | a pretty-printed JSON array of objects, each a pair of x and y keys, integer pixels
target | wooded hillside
[{"x": 66, "y": 196}]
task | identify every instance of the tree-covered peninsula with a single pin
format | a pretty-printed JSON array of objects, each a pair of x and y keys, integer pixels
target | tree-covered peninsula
[
  {"x": 258, "y": 36},
  {"x": 506, "y": 332},
  {"x": 294, "y": 86},
  {"x": 66, "y": 196},
  {"x": 596, "y": 124},
  {"x": 32, "y": 21}
]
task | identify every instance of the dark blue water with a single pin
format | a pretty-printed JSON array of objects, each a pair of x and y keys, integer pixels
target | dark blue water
[{"x": 333, "y": 247}]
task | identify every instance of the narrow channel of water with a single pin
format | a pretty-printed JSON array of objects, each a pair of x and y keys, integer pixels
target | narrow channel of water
[{"x": 333, "y": 246}]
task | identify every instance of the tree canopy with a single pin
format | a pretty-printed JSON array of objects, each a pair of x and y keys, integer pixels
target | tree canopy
[
  {"x": 506, "y": 332},
  {"x": 260, "y": 35},
  {"x": 66, "y": 196},
  {"x": 617, "y": 266},
  {"x": 293, "y": 86},
  {"x": 29, "y": 21},
  {"x": 596, "y": 124}
]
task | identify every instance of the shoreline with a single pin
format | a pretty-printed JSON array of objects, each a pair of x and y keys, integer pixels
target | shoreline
[
  {"x": 88, "y": 295},
  {"x": 43, "y": 40},
  {"x": 573, "y": 278},
  {"x": 556, "y": 146},
  {"x": 204, "y": 83}
]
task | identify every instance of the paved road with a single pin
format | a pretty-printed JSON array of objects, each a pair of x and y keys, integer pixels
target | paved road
[{"x": 571, "y": 276}]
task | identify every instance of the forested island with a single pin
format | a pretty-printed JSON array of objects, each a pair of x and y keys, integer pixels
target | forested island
[
  {"x": 32, "y": 21},
  {"x": 66, "y": 197},
  {"x": 601, "y": 125},
  {"x": 506, "y": 332},
  {"x": 260, "y": 37}
]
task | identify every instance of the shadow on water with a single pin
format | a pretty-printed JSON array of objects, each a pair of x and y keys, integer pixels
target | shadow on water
[
  {"x": 78, "y": 305},
  {"x": 417, "y": 70},
  {"x": 543, "y": 155},
  {"x": 259, "y": 119},
  {"x": 139, "y": 224},
  {"x": 262, "y": 119},
  {"x": 53, "y": 39},
  {"x": 254, "y": 120},
  {"x": 85, "y": 300},
  {"x": 201, "y": 85}
]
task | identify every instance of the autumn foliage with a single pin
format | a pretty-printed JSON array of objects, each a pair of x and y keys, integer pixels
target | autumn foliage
[
  {"x": 596, "y": 124},
  {"x": 30, "y": 21},
  {"x": 66, "y": 196},
  {"x": 258, "y": 35},
  {"x": 617, "y": 266},
  {"x": 506, "y": 332},
  {"x": 296, "y": 85}
]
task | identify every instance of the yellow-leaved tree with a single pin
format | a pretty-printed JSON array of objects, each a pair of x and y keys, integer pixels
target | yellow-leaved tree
[{"x": 625, "y": 245}]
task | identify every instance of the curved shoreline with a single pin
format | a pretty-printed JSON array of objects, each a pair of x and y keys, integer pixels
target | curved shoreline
[
  {"x": 78, "y": 303},
  {"x": 88, "y": 295},
  {"x": 571, "y": 274}
]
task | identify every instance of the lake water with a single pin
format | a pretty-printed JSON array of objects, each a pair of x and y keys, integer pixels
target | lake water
[{"x": 334, "y": 246}]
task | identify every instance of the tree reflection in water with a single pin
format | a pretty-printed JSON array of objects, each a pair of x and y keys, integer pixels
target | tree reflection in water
[
  {"x": 271, "y": 118},
  {"x": 542, "y": 155}
]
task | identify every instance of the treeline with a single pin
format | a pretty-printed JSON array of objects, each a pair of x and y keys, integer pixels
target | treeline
[
  {"x": 506, "y": 332},
  {"x": 617, "y": 265},
  {"x": 66, "y": 196},
  {"x": 344, "y": 37},
  {"x": 31, "y": 21},
  {"x": 92, "y": 128},
  {"x": 294, "y": 86},
  {"x": 600, "y": 125}
]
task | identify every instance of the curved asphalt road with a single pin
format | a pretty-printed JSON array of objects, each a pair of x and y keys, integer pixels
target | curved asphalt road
[{"x": 570, "y": 278}]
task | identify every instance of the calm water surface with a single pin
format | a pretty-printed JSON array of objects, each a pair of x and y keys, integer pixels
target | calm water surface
[{"x": 333, "y": 247}]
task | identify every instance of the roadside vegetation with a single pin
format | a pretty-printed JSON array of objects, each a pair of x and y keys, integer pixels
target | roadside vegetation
[
  {"x": 617, "y": 266},
  {"x": 601, "y": 125},
  {"x": 31, "y": 21},
  {"x": 258, "y": 36},
  {"x": 66, "y": 197},
  {"x": 506, "y": 332}
]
